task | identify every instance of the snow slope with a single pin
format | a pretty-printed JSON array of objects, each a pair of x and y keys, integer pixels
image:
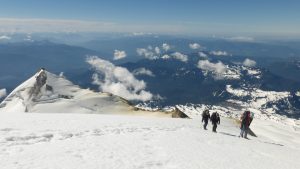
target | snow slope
[
  {"x": 64, "y": 97},
  {"x": 93, "y": 141}
]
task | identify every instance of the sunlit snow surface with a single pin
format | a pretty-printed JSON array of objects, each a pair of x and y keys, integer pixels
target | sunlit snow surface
[{"x": 76, "y": 141}]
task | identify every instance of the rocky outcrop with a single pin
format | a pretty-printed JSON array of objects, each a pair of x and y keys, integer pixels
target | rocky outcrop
[
  {"x": 41, "y": 80},
  {"x": 179, "y": 114}
]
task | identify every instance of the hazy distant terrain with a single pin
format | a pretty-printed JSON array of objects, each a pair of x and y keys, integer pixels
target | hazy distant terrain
[{"x": 177, "y": 82}]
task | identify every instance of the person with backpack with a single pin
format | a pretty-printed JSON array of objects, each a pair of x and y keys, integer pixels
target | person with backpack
[
  {"x": 245, "y": 123},
  {"x": 205, "y": 117},
  {"x": 215, "y": 120},
  {"x": 251, "y": 118}
]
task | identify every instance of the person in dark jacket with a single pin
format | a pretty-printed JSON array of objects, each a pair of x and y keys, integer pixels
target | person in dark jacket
[
  {"x": 245, "y": 123},
  {"x": 205, "y": 117},
  {"x": 215, "y": 120}
]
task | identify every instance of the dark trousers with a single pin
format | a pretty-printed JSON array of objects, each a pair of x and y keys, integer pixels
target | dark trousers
[
  {"x": 205, "y": 124},
  {"x": 244, "y": 130},
  {"x": 214, "y": 129}
]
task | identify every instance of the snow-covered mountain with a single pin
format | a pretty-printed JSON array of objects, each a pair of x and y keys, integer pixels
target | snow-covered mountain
[{"x": 49, "y": 93}]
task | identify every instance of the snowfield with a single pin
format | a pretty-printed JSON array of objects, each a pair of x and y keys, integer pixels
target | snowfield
[{"x": 76, "y": 141}]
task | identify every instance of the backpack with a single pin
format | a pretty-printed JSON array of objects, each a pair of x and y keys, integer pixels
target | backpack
[
  {"x": 205, "y": 113},
  {"x": 246, "y": 117},
  {"x": 214, "y": 116}
]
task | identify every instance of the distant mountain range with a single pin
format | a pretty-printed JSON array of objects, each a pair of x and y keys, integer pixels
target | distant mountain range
[
  {"x": 19, "y": 60},
  {"x": 238, "y": 86},
  {"x": 215, "y": 80}
]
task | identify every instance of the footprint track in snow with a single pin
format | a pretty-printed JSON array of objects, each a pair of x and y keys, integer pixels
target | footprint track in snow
[{"x": 17, "y": 137}]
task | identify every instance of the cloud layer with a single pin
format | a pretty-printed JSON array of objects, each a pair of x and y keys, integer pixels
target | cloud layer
[
  {"x": 32, "y": 25},
  {"x": 52, "y": 25},
  {"x": 118, "y": 80},
  {"x": 119, "y": 54}
]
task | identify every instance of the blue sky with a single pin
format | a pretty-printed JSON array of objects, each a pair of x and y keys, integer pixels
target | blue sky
[{"x": 274, "y": 17}]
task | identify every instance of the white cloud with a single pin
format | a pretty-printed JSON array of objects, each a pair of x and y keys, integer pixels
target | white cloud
[
  {"x": 4, "y": 37},
  {"x": 219, "y": 53},
  {"x": 218, "y": 68},
  {"x": 147, "y": 53},
  {"x": 154, "y": 53},
  {"x": 141, "y": 51},
  {"x": 143, "y": 71},
  {"x": 202, "y": 54},
  {"x": 166, "y": 57},
  {"x": 166, "y": 47},
  {"x": 118, "y": 80},
  {"x": 2, "y": 93},
  {"x": 180, "y": 56},
  {"x": 249, "y": 63},
  {"x": 194, "y": 46},
  {"x": 118, "y": 54},
  {"x": 157, "y": 50}
]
